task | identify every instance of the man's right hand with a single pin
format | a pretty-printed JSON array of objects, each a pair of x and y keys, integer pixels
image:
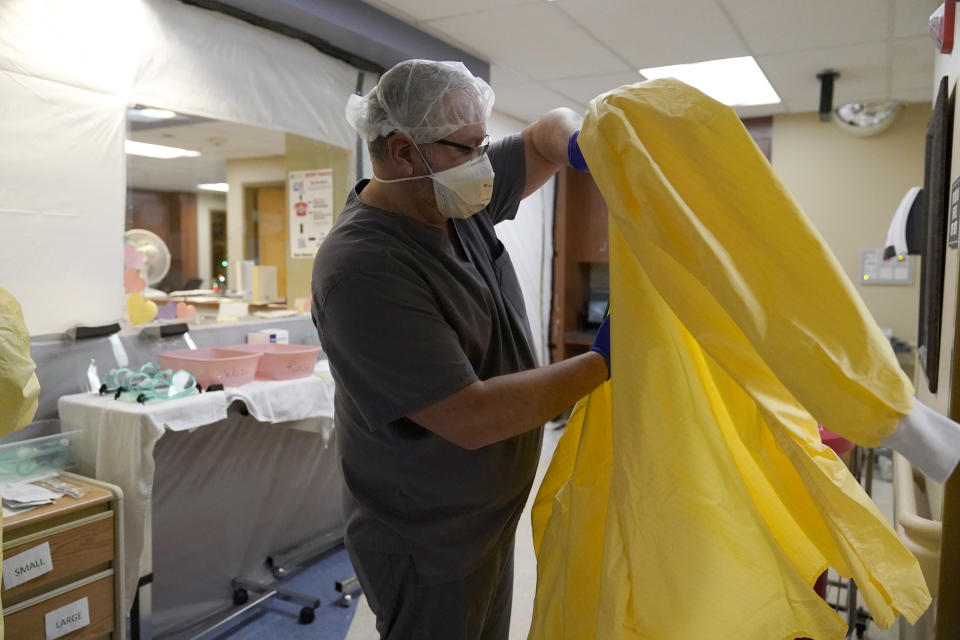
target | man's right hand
[{"x": 601, "y": 343}]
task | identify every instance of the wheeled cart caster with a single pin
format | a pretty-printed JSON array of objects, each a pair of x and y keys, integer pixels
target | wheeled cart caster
[
  {"x": 263, "y": 592},
  {"x": 240, "y": 596}
]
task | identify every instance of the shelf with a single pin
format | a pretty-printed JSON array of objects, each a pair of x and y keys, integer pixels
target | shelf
[{"x": 579, "y": 337}]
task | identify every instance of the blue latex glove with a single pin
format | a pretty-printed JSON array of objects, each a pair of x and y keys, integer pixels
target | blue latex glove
[
  {"x": 574, "y": 155},
  {"x": 601, "y": 343}
]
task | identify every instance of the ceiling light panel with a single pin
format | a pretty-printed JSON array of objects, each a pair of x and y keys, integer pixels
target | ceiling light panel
[
  {"x": 222, "y": 187},
  {"x": 733, "y": 81},
  {"x": 148, "y": 150}
]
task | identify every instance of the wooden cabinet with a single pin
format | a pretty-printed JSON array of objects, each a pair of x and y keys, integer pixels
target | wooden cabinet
[
  {"x": 29, "y": 619},
  {"x": 79, "y": 538},
  {"x": 581, "y": 256}
]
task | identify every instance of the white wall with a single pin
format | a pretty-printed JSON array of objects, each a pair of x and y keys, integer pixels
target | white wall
[
  {"x": 850, "y": 188},
  {"x": 529, "y": 240}
]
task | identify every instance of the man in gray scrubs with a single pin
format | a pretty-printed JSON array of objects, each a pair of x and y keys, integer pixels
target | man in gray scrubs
[{"x": 439, "y": 400}]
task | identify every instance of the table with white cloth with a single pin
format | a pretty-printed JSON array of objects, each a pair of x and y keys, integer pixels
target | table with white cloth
[{"x": 213, "y": 484}]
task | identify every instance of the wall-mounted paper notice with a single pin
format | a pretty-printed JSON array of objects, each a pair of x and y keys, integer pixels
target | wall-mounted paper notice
[
  {"x": 26, "y": 566},
  {"x": 311, "y": 210},
  {"x": 67, "y": 618},
  {"x": 875, "y": 270}
]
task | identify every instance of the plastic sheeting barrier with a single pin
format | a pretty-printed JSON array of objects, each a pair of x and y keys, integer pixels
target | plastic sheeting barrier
[{"x": 691, "y": 497}]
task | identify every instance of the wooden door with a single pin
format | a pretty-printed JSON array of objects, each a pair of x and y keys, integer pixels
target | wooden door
[{"x": 272, "y": 236}]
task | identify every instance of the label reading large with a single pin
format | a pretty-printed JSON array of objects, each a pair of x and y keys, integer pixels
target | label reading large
[
  {"x": 68, "y": 618},
  {"x": 26, "y": 566}
]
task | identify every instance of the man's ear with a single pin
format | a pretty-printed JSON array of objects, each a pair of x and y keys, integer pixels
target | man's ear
[{"x": 403, "y": 155}]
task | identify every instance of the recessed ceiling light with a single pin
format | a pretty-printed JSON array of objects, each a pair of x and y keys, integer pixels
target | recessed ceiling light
[
  {"x": 737, "y": 82},
  {"x": 148, "y": 150},
  {"x": 214, "y": 186},
  {"x": 159, "y": 114}
]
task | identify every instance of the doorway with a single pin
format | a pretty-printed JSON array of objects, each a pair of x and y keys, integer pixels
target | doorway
[{"x": 265, "y": 229}]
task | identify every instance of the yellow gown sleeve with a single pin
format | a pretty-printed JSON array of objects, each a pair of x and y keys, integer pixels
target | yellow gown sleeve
[
  {"x": 692, "y": 497},
  {"x": 19, "y": 387}
]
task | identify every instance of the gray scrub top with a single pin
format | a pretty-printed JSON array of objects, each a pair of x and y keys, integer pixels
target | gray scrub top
[{"x": 405, "y": 322}]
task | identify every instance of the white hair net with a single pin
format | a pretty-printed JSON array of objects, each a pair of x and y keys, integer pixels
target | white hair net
[{"x": 424, "y": 99}]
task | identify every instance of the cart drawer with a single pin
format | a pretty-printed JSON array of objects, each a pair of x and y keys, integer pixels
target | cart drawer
[
  {"x": 77, "y": 550},
  {"x": 28, "y": 619}
]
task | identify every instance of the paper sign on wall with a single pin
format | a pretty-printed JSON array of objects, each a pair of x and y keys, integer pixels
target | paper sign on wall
[
  {"x": 26, "y": 566},
  {"x": 875, "y": 270},
  {"x": 67, "y": 618},
  {"x": 311, "y": 210}
]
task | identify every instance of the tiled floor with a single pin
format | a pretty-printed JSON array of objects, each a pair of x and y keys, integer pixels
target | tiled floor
[
  {"x": 363, "y": 627},
  {"x": 278, "y": 619}
]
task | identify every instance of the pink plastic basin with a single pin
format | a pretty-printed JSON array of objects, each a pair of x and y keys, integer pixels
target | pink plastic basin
[
  {"x": 229, "y": 367},
  {"x": 283, "y": 361}
]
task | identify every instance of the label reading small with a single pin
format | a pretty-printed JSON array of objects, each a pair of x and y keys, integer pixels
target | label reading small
[{"x": 26, "y": 566}]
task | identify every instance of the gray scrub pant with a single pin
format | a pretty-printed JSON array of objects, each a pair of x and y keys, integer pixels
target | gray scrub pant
[{"x": 476, "y": 607}]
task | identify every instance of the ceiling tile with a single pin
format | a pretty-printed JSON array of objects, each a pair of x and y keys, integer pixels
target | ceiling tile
[
  {"x": 502, "y": 75},
  {"x": 432, "y": 9},
  {"x": 794, "y": 75},
  {"x": 913, "y": 95},
  {"x": 788, "y": 25},
  {"x": 530, "y": 101},
  {"x": 393, "y": 10},
  {"x": 653, "y": 33},
  {"x": 586, "y": 88},
  {"x": 537, "y": 39},
  {"x": 910, "y": 17},
  {"x": 582, "y": 48},
  {"x": 912, "y": 63}
]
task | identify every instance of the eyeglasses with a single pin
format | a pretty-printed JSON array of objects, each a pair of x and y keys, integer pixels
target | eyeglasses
[{"x": 476, "y": 151}]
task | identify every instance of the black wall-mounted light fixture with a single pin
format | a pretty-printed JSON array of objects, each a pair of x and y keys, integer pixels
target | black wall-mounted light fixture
[{"x": 826, "y": 79}]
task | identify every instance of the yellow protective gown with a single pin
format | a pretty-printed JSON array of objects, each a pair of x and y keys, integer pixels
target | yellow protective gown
[
  {"x": 691, "y": 498},
  {"x": 19, "y": 387}
]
